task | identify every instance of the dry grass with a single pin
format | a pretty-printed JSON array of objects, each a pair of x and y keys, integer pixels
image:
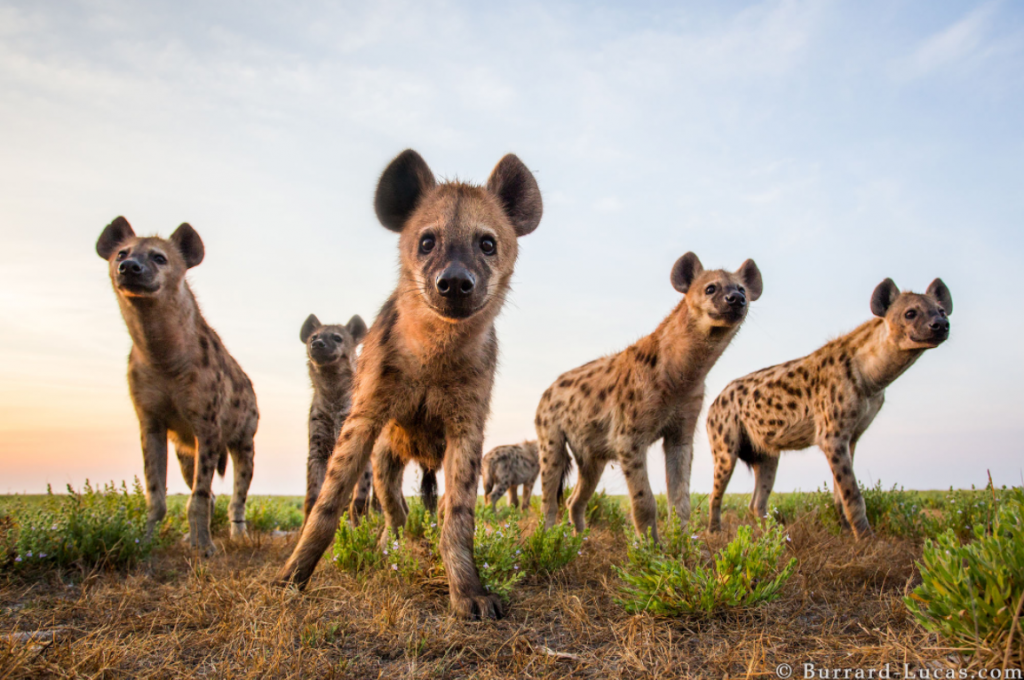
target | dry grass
[{"x": 176, "y": 617}]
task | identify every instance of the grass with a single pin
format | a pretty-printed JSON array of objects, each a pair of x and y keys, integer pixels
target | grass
[{"x": 173, "y": 615}]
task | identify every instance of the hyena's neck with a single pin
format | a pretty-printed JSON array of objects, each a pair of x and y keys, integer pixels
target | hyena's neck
[
  {"x": 332, "y": 383},
  {"x": 685, "y": 349},
  {"x": 877, "y": 358},
  {"x": 164, "y": 330},
  {"x": 437, "y": 341}
]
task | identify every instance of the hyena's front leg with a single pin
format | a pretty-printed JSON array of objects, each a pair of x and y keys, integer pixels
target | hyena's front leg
[
  {"x": 677, "y": 442},
  {"x": 200, "y": 503},
  {"x": 764, "y": 482},
  {"x": 645, "y": 508},
  {"x": 461, "y": 473},
  {"x": 321, "y": 443},
  {"x": 355, "y": 444},
  {"x": 387, "y": 483},
  {"x": 837, "y": 495},
  {"x": 837, "y": 450},
  {"x": 154, "y": 458}
]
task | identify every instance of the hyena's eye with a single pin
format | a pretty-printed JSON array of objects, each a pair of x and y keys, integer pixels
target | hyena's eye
[
  {"x": 488, "y": 245},
  {"x": 336, "y": 337},
  {"x": 159, "y": 259},
  {"x": 426, "y": 244},
  {"x": 710, "y": 290},
  {"x": 911, "y": 313},
  {"x": 942, "y": 312},
  {"x": 121, "y": 255}
]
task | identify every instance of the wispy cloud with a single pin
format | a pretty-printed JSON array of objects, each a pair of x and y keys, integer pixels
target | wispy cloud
[{"x": 954, "y": 45}]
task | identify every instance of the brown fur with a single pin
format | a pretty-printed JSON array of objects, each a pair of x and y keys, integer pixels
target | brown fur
[
  {"x": 182, "y": 380},
  {"x": 505, "y": 468},
  {"x": 615, "y": 408},
  {"x": 423, "y": 383},
  {"x": 828, "y": 398},
  {"x": 331, "y": 354}
]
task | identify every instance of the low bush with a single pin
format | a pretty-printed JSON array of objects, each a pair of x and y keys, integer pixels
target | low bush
[
  {"x": 972, "y": 593},
  {"x": 677, "y": 580},
  {"x": 547, "y": 551},
  {"x": 604, "y": 510}
]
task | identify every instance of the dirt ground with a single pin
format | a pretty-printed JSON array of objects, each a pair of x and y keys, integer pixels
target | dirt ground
[{"x": 176, "y": 616}]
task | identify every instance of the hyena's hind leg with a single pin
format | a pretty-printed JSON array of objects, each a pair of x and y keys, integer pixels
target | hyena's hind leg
[
  {"x": 764, "y": 480},
  {"x": 837, "y": 494},
  {"x": 513, "y": 496},
  {"x": 243, "y": 456},
  {"x": 724, "y": 435},
  {"x": 387, "y": 485},
  {"x": 528, "y": 489},
  {"x": 555, "y": 466},
  {"x": 361, "y": 498},
  {"x": 500, "y": 486},
  {"x": 589, "y": 475}
]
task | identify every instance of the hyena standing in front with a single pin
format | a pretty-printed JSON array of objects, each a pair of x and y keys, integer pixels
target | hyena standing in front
[
  {"x": 182, "y": 380},
  {"x": 423, "y": 383},
  {"x": 828, "y": 398},
  {"x": 616, "y": 407}
]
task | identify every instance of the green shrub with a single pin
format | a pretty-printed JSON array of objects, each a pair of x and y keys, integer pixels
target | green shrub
[
  {"x": 785, "y": 508},
  {"x": 267, "y": 513},
  {"x": 99, "y": 527},
  {"x": 355, "y": 548},
  {"x": 547, "y": 551},
  {"x": 677, "y": 580},
  {"x": 604, "y": 510},
  {"x": 970, "y": 593},
  {"x": 497, "y": 552}
]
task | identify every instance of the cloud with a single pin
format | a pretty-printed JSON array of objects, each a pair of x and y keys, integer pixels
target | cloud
[{"x": 953, "y": 45}]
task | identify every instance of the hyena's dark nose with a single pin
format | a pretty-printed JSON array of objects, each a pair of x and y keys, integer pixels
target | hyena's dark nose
[
  {"x": 939, "y": 325},
  {"x": 736, "y": 299},
  {"x": 129, "y": 267},
  {"x": 455, "y": 281},
  {"x": 318, "y": 344}
]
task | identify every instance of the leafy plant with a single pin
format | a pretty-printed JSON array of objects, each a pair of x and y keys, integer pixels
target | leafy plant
[
  {"x": 547, "y": 551},
  {"x": 603, "y": 510},
  {"x": 681, "y": 581},
  {"x": 97, "y": 527},
  {"x": 971, "y": 593},
  {"x": 355, "y": 548}
]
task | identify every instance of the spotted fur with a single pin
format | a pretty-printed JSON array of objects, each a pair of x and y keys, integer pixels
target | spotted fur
[
  {"x": 505, "y": 468},
  {"x": 616, "y": 407},
  {"x": 423, "y": 384},
  {"x": 827, "y": 398},
  {"x": 182, "y": 380}
]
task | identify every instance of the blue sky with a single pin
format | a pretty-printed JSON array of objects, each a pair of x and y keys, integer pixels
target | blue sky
[{"x": 834, "y": 143}]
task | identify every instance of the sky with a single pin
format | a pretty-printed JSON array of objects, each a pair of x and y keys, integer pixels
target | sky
[{"x": 836, "y": 143}]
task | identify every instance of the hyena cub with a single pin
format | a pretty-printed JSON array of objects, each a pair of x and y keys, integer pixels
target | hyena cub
[
  {"x": 182, "y": 380},
  {"x": 331, "y": 350},
  {"x": 423, "y": 384},
  {"x": 828, "y": 398},
  {"x": 505, "y": 468},
  {"x": 614, "y": 408}
]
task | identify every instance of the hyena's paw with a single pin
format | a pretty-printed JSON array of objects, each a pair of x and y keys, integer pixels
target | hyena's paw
[
  {"x": 206, "y": 548},
  {"x": 477, "y": 607},
  {"x": 238, "y": 531}
]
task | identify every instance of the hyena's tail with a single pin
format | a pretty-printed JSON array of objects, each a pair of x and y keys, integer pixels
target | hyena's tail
[
  {"x": 222, "y": 463},
  {"x": 488, "y": 481},
  {"x": 562, "y": 459},
  {"x": 428, "y": 490}
]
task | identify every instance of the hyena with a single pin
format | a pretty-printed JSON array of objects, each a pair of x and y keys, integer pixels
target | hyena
[
  {"x": 828, "y": 398},
  {"x": 423, "y": 384},
  {"x": 505, "y": 468},
  {"x": 331, "y": 352},
  {"x": 616, "y": 407},
  {"x": 182, "y": 380}
]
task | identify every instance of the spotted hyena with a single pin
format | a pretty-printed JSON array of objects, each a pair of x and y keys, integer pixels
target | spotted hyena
[
  {"x": 615, "y": 408},
  {"x": 423, "y": 383},
  {"x": 331, "y": 353},
  {"x": 182, "y": 380},
  {"x": 505, "y": 468},
  {"x": 828, "y": 398}
]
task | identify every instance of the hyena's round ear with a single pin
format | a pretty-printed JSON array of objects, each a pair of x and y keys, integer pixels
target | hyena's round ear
[
  {"x": 188, "y": 243},
  {"x": 400, "y": 188},
  {"x": 885, "y": 294},
  {"x": 357, "y": 327},
  {"x": 514, "y": 185},
  {"x": 308, "y": 326},
  {"x": 751, "y": 277},
  {"x": 684, "y": 271},
  {"x": 112, "y": 236},
  {"x": 937, "y": 289}
]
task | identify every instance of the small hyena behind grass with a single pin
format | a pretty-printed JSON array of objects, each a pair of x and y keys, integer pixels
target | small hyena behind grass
[
  {"x": 182, "y": 380},
  {"x": 505, "y": 468},
  {"x": 423, "y": 384},
  {"x": 828, "y": 398},
  {"x": 614, "y": 408}
]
